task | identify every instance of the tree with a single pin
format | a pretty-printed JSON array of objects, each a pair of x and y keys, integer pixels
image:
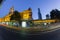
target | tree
[
  {"x": 55, "y": 14},
  {"x": 1, "y": 1},
  {"x": 16, "y": 16}
]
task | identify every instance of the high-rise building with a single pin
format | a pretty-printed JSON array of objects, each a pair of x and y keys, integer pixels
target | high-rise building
[
  {"x": 47, "y": 16},
  {"x": 39, "y": 14}
]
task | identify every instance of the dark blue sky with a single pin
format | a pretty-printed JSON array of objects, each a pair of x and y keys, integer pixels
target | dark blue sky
[{"x": 45, "y": 6}]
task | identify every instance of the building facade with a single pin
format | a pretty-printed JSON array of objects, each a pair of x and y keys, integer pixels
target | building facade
[{"x": 26, "y": 17}]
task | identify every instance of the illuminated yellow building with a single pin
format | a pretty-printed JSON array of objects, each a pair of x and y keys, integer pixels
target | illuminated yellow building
[
  {"x": 25, "y": 15},
  {"x": 44, "y": 21}
]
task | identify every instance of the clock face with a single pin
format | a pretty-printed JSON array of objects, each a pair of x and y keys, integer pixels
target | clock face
[{"x": 26, "y": 16}]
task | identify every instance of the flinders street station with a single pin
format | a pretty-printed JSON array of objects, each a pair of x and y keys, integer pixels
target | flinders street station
[{"x": 26, "y": 19}]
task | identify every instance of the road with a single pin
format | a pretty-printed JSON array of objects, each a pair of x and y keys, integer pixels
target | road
[{"x": 8, "y": 34}]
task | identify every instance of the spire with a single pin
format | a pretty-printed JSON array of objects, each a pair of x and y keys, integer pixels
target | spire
[
  {"x": 29, "y": 8},
  {"x": 39, "y": 14},
  {"x": 12, "y": 9}
]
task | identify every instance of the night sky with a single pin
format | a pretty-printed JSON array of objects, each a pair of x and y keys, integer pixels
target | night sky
[{"x": 45, "y": 6}]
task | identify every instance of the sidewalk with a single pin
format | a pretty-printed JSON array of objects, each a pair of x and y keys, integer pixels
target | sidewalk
[
  {"x": 51, "y": 27},
  {"x": 54, "y": 26}
]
